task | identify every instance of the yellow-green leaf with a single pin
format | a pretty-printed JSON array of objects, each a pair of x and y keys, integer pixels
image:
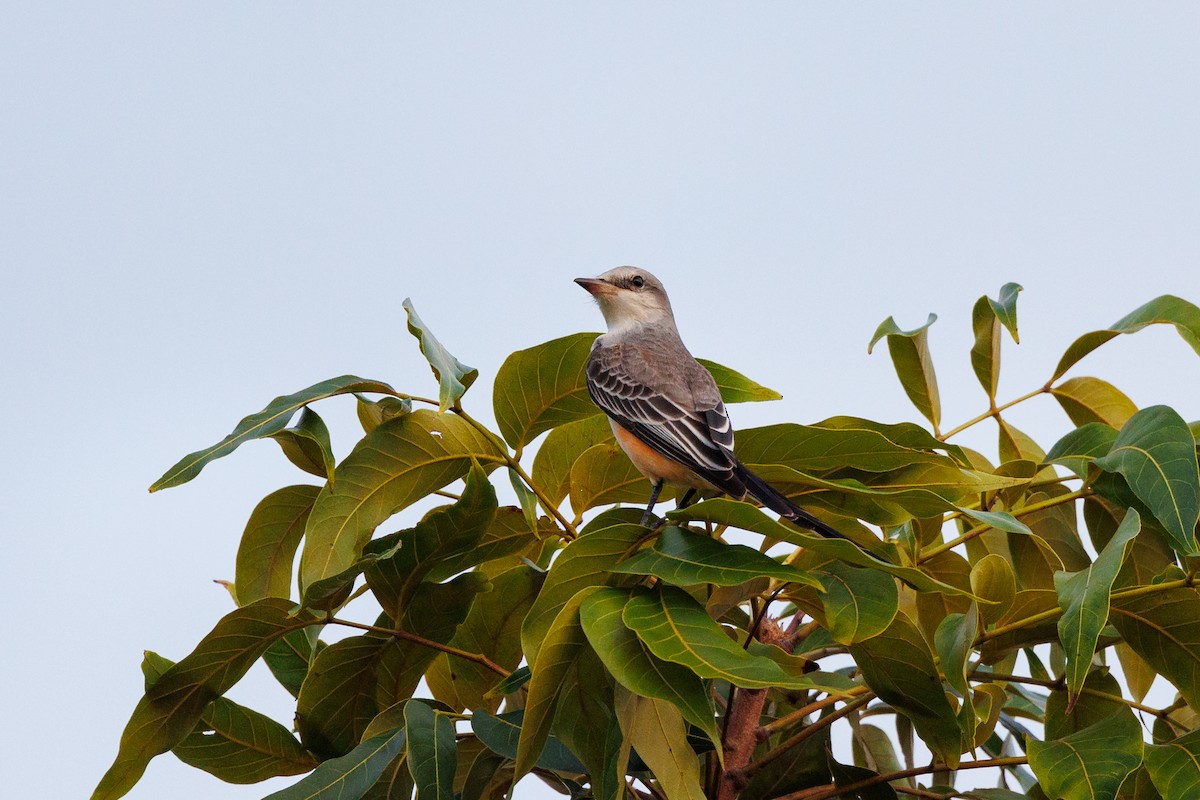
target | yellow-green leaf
[
  {"x": 268, "y": 545},
  {"x": 1093, "y": 400},
  {"x": 1090, "y": 764},
  {"x": 454, "y": 377},
  {"x": 1166, "y": 309},
  {"x": 914, "y": 365}
]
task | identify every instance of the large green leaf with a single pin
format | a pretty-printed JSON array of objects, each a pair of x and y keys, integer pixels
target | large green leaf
[
  {"x": 337, "y": 700},
  {"x": 1084, "y": 597},
  {"x": 431, "y": 751},
  {"x": 1175, "y": 767},
  {"x": 736, "y": 387},
  {"x": 563, "y": 643},
  {"x": 914, "y": 365},
  {"x": 682, "y": 557},
  {"x": 820, "y": 448},
  {"x": 171, "y": 708},
  {"x": 1078, "y": 449},
  {"x": 454, "y": 377},
  {"x": 502, "y": 734},
  {"x": 271, "y": 419},
  {"x": 1165, "y": 309},
  {"x": 1156, "y": 454},
  {"x": 268, "y": 546},
  {"x": 676, "y": 628},
  {"x": 1164, "y": 629},
  {"x": 447, "y": 533},
  {"x": 348, "y": 777},
  {"x": 953, "y": 639},
  {"x": 1093, "y": 400},
  {"x": 232, "y": 742},
  {"x": 656, "y": 730},
  {"x": 542, "y": 387},
  {"x": 587, "y": 561},
  {"x": 898, "y": 666},
  {"x": 1090, "y": 764},
  {"x": 637, "y": 669},
  {"x": 289, "y": 657},
  {"x": 857, "y": 603},
  {"x": 306, "y": 444},
  {"x": 493, "y": 628},
  {"x": 986, "y": 320},
  {"x": 585, "y": 718},
  {"x": 993, "y": 579},
  {"x": 722, "y": 511},
  {"x": 604, "y": 475},
  {"x": 558, "y": 453},
  {"x": 904, "y": 434},
  {"x": 391, "y": 467}
]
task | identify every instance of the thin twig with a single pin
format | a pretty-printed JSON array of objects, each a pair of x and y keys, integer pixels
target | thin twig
[
  {"x": 993, "y": 412},
  {"x": 830, "y": 790},
  {"x": 477, "y": 658}
]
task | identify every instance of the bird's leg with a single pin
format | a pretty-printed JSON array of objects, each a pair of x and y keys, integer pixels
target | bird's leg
[
  {"x": 648, "y": 515},
  {"x": 686, "y": 500}
]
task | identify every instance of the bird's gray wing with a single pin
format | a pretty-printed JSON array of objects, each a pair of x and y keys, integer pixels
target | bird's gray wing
[{"x": 668, "y": 402}]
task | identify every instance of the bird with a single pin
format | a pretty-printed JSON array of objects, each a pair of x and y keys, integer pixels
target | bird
[{"x": 664, "y": 407}]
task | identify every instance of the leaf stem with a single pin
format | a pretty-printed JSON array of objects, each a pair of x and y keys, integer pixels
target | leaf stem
[
  {"x": 994, "y": 412},
  {"x": 773, "y": 727},
  {"x": 477, "y": 658},
  {"x": 829, "y": 791}
]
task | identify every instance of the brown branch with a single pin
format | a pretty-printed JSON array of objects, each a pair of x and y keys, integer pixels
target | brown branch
[
  {"x": 477, "y": 658},
  {"x": 829, "y": 791},
  {"x": 808, "y": 731}
]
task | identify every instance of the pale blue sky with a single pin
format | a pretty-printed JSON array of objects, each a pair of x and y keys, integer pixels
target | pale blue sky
[{"x": 206, "y": 205}]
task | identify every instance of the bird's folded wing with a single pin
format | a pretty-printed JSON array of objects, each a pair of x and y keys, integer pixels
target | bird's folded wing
[{"x": 666, "y": 420}]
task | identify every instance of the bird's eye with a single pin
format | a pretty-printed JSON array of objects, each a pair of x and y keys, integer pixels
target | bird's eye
[{"x": 638, "y": 281}]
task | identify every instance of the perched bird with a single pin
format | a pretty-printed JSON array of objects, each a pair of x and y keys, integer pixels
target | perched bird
[{"x": 663, "y": 405}]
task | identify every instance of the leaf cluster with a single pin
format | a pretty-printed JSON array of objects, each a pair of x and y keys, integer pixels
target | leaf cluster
[{"x": 979, "y": 605}]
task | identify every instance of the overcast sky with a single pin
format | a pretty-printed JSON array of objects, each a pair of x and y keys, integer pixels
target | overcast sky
[{"x": 203, "y": 206}]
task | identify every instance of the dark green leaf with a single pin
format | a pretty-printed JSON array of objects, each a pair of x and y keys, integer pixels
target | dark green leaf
[
  {"x": 953, "y": 639},
  {"x": 736, "y": 387},
  {"x": 307, "y": 445},
  {"x": 171, "y": 708},
  {"x": 898, "y": 666},
  {"x": 337, "y": 700},
  {"x": 914, "y": 366},
  {"x": 350, "y": 776},
  {"x": 1078, "y": 449},
  {"x": 271, "y": 419},
  {"x": 268, "y": 546},
  {"x": 1093, "y": 400},
  {"x": 845, "y": 775},
  {"x": 1084, "y": 597},
  {"x": 1175, "y": 767},
  {"x": 1100, "y": 700},
  {"x": 684, "y": 558},
  {"x": 431, "y": 751},
  {"x": 1156, "y": 454},
  {"x": 904, "y": 434},
  {"x": 1090, "y": 764},
  {"x": 391, "y": 467},
  {"x": 986, "y": 319},
  {"x": 637, "y": 669},
  {"x": 288, "y": 658},
  {"x": 526, "y": 498},
  {"x": 502, "y": 733},
  {"x": 1164, "y": 629},
  {"x": 585, "y": 718},
  {"x": 454, "y": 377},
  {"x": 1165, "y": 309}
]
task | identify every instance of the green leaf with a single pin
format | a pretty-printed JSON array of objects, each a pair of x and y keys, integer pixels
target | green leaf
[
  {"x": 1165, "y": 310},
  {"x": 914, "y": 366},
  {"x": 268, "y": 545},
  {"x": 587, "y": 561},
  {"x": 684, "y": 558},
  {"x": 562, "y": 645},
  {"x": 288, "y": 658},
  {"x": 1175, "y": 767},
  {"x": 1099, "y": 700},
  {"x": 992, "y": 579},
  {"x": 1090, "y": 764},
  {"x": 171, "y": 708},
  {"x": 1084, "y": 598},
  {"x": 637, "y": 669},
  {"x": 986, "y": 319},
  {"x": 1164, "y": 629},
  {"x": 561, "y": 448},
  {"x": 307, "y": 445},
  {"x": 337, "y": 699},
  {"x": 858, "y": 603},
  {"x": 845, "y": 775},
  {"x": 722, "y": 511},
  {"x": 604, "y": 475},
  {"x": 1000, "y": 520},
  {"x": 391, "y": 467},
  {"x": 526, "y": 498},
  {"x": 1078, "y": 449},
  {"x": 953, "y": 639},
  {"x": 1093, "y": 400},
  {"x": 502, "y": 733},
  {"x": 493, "y": 628},
  {"x": 542, "y": 387},
  {"x": 656, "y": 730},
  {"x": 904, "y": 434},
  {"x": 271, "y": 419},
  {"x": 585, "y": 718},
  {"x": 232, "y": 742},
  {"x": 431, "y": 751},
  {"x": 818, "y": 449},
  {"x": 454, "y": 377},
  {"x": 873, "y": 749},
  {"x": 736, "y": 387},
  {"x": 447, "y": 533},
  {"x": 328, "y": 594},
  {"x": 676, "y": 628},
  {"x": 1156, "y": 454},
  {"x": 373, "y": 413},
  {"x": 898, "y": 666},
  {"x": 350, "y": 776}
]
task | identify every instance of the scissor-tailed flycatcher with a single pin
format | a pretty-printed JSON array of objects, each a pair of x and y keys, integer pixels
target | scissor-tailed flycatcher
[{"x": 664, "y": 407}]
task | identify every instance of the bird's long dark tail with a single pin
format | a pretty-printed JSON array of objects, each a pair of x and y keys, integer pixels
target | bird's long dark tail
[{"x": 775, "y": 500}]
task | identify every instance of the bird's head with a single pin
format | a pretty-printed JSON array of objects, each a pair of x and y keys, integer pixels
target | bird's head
[{"x": 628, "y": 297}]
